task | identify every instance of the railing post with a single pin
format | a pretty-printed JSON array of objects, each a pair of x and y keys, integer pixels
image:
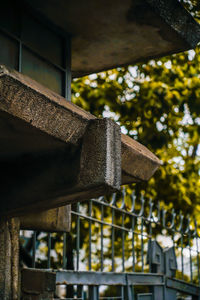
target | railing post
[
  {"x": 129, "y": 293},
  {"x": 170, "y": 294},
  {"x": 162, "y": 261},
  {"x": 158, "y": 293},
  {"x": 93, "y": 292},
  {"x": 129, "y": 290}
]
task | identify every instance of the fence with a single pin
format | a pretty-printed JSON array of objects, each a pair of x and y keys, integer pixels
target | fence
[{"x": 111, "y": 252}]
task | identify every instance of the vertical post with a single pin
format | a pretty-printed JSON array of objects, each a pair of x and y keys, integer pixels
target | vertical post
[
  {"x": 113, "y": 240},
  {"x": 102, "y": 219},
  {"x": 34, "y": 236},
  {"x": 170, "y": 294},
  {"x": 90, "y": 235},
  {"x": 67, "y": 66},
  {"x": 93, "y": 292},
  {"x": 80, "y": 291},
  {"x": 49, "y": 251},
  {"x": 128, "y": 290},
  {"x": 9, "y": 259},
  {"x": 158, "y": 293},
  {"x": 129, "y": 293},
  {"x": 64, "y": 250},
  {"x": 77, "y": 237}
]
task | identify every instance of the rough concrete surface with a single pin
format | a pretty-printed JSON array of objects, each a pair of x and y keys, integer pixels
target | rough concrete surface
[
  {"x": 138, "y": 163},
  {"x": 54, "y": 153},
  {"x": 101, "y": 144},
  {"x": 37, "y": 284},
  {"x": 26, "y": 99},
  {"x": 107, "y": 34},
  {"x": 53, "y": 220},
  {"x": 9, "y": 259}
]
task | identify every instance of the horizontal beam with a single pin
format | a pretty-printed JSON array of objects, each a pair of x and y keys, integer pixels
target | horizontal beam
[
  {"x": 37, "y": 284},
  {"x": 183, "y": 287},
  {"x": 54, "y": 153},
  {"x": 138, "y": 163},
  {"x": 107, "y": 278},
  {"x": 64, "y": 277},
  {"x": 52, "y": 220},
  {"x": 57, "y": 178},
  {"x": 144, "y": 279},
  {"x": 111, "y": 278}
]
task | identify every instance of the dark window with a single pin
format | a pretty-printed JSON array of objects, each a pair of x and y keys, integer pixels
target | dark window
[
  {"x": 8, "y": 51},
  {"x": 42, "y": 40},
  {"x": 10, "y": 17},
  {"x": 36, "y": 50},
  {"x": 41, "y": 71}
]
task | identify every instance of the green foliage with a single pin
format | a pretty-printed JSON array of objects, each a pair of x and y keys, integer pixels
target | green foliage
[
  {"x": 158, "y": 104},
  {"x": 193, "y": 6}
]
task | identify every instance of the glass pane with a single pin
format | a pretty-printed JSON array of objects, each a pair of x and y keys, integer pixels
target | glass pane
[
  {"x": 41, "y": 39},
  {"x": 10, "y": 17},
  {"x": 41, "y": 71},
  {"x": 8, "y": 52}
]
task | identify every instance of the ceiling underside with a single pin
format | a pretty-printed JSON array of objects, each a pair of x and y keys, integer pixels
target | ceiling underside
[{"x": 111, "y": 33}]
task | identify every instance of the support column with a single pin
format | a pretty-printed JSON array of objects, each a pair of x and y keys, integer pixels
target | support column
[{"x": 9, "y": 259}]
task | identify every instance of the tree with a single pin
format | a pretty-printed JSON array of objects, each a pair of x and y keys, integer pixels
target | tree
[{"x": 157, "y": 103}]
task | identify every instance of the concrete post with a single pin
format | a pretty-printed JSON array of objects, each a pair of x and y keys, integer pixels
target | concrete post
[{"x": 9, "y": 259}]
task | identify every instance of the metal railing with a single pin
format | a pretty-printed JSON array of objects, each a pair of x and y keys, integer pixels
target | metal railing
[{"x": 106, "y": 253}]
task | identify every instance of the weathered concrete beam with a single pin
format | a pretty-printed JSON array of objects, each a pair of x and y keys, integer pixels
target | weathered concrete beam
[
  {"x": 53, "y": 153},
  {"x": 46, "y": 115},
  {"x": 79, "y": 170},
  {"x": 37, "y": 284},
  {"x": 52, "y": 220},
  {"x": 138, "y": 163},
  {"x": 54, "y": 179}
]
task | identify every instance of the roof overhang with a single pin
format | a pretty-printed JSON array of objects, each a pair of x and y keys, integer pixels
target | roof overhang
[{"x": 112, "y": 33}]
